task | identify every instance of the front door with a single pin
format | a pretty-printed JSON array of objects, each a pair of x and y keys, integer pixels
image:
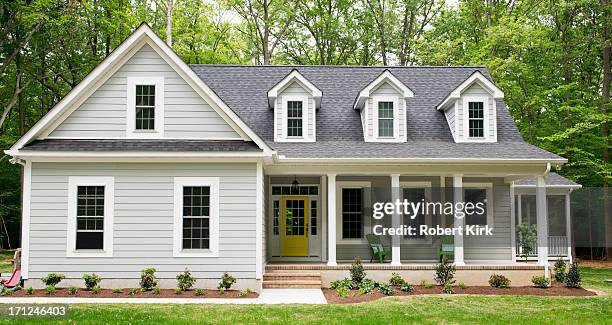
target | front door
[{"x": 295, "y": 226}]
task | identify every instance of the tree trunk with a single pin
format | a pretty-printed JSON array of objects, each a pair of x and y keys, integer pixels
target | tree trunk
[
  {"x": 605, "y": 129},
  {"x": 169, "y": 23},
  {"x": 265, "y": 46}
]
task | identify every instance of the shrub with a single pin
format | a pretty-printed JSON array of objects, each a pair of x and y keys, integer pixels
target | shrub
[
  {"x": 156, "y": 290},
  {"x": 148, "y": 280},
  {"x": 527, "y": 238},
  {"x": 448, "y": 289},
  {"x": 50, "y": 290},
  {"x": 385, "y": 289},
  {"x": 499, "y": 281},
  {"x": 178, "y": 291},
  {"x": 17, "y": 288},
  {"x": 185, "y": 280},
  {"x": 560, "y": 268},
  {"x": 347, "y": 283},
  {"x": 29, "y": 291},
  {"x": 357, "y": 272},
  {"x": 462, "y": 285},
  {"x": 96, "y": 290},
  {"x": 72, "y": 290},
  {"x": 244, "y": 293},
  {"x": 427, "y": 284},
  {"x": 445, "y": 272},
  {"x": 396, "y": 280},
  {"x": 342, "y": 292},
  {"x": 407, "y": 287},
  {"x": 226, "y": 281},
  {"x": 199, "y": 292},
  {"x": 117, "y": 291},
  {"x": 132, "y": 292},
  {"x": 222, "y": 290},
  {"x": 367, "y": 286},
  {"x": 52, "y": 279},
  {"x": 91, "y": 280},
  {"x": 539, "y": 281},
  {"x": 573, "y": 278}
]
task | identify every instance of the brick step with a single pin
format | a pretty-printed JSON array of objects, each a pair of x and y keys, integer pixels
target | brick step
[
  {"x": 292, "y": 276},
  {"x": 304, "y": 284}
]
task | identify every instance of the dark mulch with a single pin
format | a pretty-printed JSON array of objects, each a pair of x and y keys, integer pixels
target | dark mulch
[
  {"x": 557, "y": 289},
  {"x": 107, "y": 293}
]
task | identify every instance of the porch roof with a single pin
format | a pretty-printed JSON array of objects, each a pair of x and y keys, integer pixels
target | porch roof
[{"x": 551, "y": 179}]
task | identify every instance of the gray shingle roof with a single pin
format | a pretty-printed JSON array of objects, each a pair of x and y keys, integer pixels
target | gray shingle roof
[
  {"x": 140, "y": 145},
  {"x": 551, "y": 179},
  {"x": 339, "y": 131}
]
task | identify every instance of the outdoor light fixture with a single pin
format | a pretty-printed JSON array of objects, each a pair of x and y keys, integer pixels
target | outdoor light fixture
[{"x": 295, "y": 185}]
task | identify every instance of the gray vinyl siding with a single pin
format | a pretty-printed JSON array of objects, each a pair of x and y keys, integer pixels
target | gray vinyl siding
[
  {"x": 386, "y": 89},
  {"x": 475, "y": 90},
  {"x": 295, "y": 89},
  {"x": 143, "y": 220},
  {"x": 103, "y": 114},
  {"x": 450, "y": 118}
]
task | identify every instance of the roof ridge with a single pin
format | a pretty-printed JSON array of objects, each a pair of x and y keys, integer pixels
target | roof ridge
[{"x": 339, "y": 66}]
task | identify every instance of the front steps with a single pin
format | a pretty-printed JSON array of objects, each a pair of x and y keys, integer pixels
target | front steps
[{"x": 275, "y": 279}]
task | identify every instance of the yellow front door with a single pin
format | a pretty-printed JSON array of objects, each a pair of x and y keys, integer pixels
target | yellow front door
[{"x": 295, "y": 226}]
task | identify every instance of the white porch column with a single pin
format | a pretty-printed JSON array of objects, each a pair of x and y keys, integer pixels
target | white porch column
[
  {"x": 568, "y": 225},
  {"x": 459, "y": 222},
  {"x": 512, "y": 223},
  {"x": 542, "y": 222},
  {"x": 395, "y": 221},
  {"x": 331, "y": 219}
]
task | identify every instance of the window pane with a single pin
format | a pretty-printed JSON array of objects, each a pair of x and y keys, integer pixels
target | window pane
[
  {"x": 90, "y": 240},
  {"x": 313, "y": 217},
  {"x": 145, "y": 107},
  {"x": 196, "y": 201},
  {"x": 476, "y": 196},
  {"x": 276, "y": 217},
  {"x": 352, "y": 212},
  {"x": 476, "y": 119},
  {"x": 196, "y": 233},
  {"x": 294, "y": 118},
  {"x": 385, "y": 119},
  {"x": 196, "y": 213}
]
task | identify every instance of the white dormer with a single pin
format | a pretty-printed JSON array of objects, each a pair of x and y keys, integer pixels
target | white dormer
[
  {"x": 383, "y": 109},
  {"x": 471, "y": 109},
  {"x": 295, "y": 101}
]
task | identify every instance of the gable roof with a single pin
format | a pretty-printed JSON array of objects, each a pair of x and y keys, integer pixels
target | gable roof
[
  {"x": 142, "y": 35},
  {"x": 295, "y": 75},
  {"x": 339, "y": 129},
  {"x": 385, "y": 76},
  {"x": 475, "y": 78}
]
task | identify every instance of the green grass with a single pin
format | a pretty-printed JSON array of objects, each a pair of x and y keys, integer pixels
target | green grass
[
  {"x": 5, "y": 261},
  {"x": 595, "y": 279}
]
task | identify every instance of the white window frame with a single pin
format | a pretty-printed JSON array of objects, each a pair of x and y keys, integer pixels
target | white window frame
[
  {"x": 158, "y": 131},
  {"x": 489, "y": 135},
  {"x": 179, "y": 183},
  {"x": 428, "y": 217},
  {"x": 109, "y": 202},
  {"x": 396, "y": 124},
  {"x": 285, "y": 117},
  {"x": 490, "y": 206},
  {"x": 367, "y": 224}
]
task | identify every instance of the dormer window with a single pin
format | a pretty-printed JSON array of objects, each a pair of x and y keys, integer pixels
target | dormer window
[
  {"x": 145, "y": 107},
  {"x": 476, "y": 119},
  {"x": 295, "y": 118}
]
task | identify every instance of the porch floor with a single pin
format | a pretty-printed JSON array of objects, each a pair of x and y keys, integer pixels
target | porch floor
[{"x": 280, "y": 266}]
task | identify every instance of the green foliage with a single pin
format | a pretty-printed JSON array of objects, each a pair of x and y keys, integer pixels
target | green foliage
[
  {"x": 200, "y": 292},
  {"x": 178, "y": 291},
  {"x": 539, "y": 281},
  {"x": 226, "y": 281},
  {"x": 385, "y": 289},
  {"x": 573, "y": 278},
  {"x": 445, "y": 272},
  {"x": 148, "y": 280},
  {"x": 406, "y": 287},
  {"x": 50, "y": 289},
  {"x": 117, "y": 290},
  {"x": 96, "y": 290},
  {"x": 72, "y": 290},
  {"x": 29, "y": 291},
  {"x": 462, "y": 285},
  {"x": 91, "y": 280},
  {"x": 527, "y": 237},
  {"x": 448, "y": 288},
  {"x": 499, "y": 281},
  {"x": 132, "y": 292},
  {"x": 342, "y": 292},
  {"x": 426, "y": 284},
  {"x": 221, "y": 290},
  {"x": 156, "y": 290},
  {"x": 396, "y": 280},
  {"x": 52, "y": 279},
  {"x": 367, "y": 286},
  {"x": 347, "y": 283},
  {"x": 560, "y": 269},
  {"x": 185, "y": 280},
  {"x": 357, "y": 271},
  {"x": 244, "y": 293}
]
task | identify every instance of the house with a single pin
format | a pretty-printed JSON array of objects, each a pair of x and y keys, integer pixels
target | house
[{"x": 265, "y": 170}]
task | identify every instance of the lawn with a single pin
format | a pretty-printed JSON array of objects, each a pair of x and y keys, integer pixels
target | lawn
[
  {"x": 415, "y": 309},
  {"x": 5, "y": 263}
]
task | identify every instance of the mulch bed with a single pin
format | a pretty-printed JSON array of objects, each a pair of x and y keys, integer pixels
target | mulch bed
[
  {"x": 557, "y": 289},
  {"x": 107, "y": 293}
]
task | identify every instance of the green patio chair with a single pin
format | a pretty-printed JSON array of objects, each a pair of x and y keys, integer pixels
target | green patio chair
[
  {"x": 378, "y": 250},
  {"x": 447, "y": 247}
]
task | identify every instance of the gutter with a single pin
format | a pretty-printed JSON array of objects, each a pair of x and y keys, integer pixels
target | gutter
[{"x": 549, "y": 162}]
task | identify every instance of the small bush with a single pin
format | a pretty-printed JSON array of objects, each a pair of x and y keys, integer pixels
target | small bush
[
  {"x": 385, "y": 289},
  {"x": 50, "y": 290},
  {"x": 72, "y": 290},
  {"x": 17, "y": 288},
  {"x": 96, "y": 290},
  {"x": 347, "y": 283},
  {"x": 91, "y": 280},
  {"x": 407, "y": 287},
  {"x": 117, "y": 291},
  {"x": 539, "y": 281},
  {"x": 148, "y": 280},
  {"x": 462, "y": 285},
  {"x": 29, "y": 291},
  {"x": 226, "y": 281},
  {"x": 342, "y": 292},
  {"x": 178, "y": 291},
  {"x": 426, "y": 284},
  {"x": 573, "y": 278},
  {"x": 499, "y": 281},
  {"x": 448, "y": 289},
  {"x": 358, "y": 273},
  {"x": 396, "y": 280},
  {"x": 244, "y": 293},
  {"x": 132, "y": 292},
  {"x": 560, "y": 268},
  {"x": 156, "y": 291},
  {"x": 367, "y": 286},
  {"x": 199, "y": 292},
  {"x": 221, "y": 290},
  {"x": 185, "y": 280},
  {"x": 52, "y": 279},
  {"x": 445, "y": 272}
]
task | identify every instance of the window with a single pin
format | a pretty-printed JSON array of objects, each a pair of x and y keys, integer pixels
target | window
[
  {"x": 291, "y": 190},
  {"x": 352, "y": 213},
  {"x": 196, "y": 216},
  {"x": 414, "y": 195},
  {"x": 90, "y": 216},
  {"x": 476, "y": 119},
  {"x": 313, "y": 217},
  {"x": 385, "y": 119},
  {"x": 294, "y": 118},
  {"x": 295, "y": 222},
  {"x": 276, "y": 217},
  {"x": 482, "y": 195},
  {"x": 145, "y": 107}
]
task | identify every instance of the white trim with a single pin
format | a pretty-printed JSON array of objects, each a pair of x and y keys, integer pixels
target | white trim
[
  {"x": 138, "y": 154},
  {"x": 490, "y": 135},
  {"x": 130, "y": 131},
  {"x": 426, "y": 185},
  {"x": 396, "y": 120},
  {"x": 25, "y": 222},
  {"x": 297, "y": 76},
  {"x": 458, "y": 196},
  {"x": 179, "y": 183},
  {"x": 259, "y": 221},
  {"x": 351, "y": 184},
  {"x": 476, "y": 77},
  {"x": 285, "y": 116},
  {"x": 109, "y": 208},
  {"x": 568, "y": 225},
  {"x": 396, "y": 241},
  {"x": 422, "y": 160},
  {"x": 102, "y": 72},
  {"x": 331, "y": 219},
  {"x": 513, "y": 222},
  {"x": 386, "y": 76},
  {"x": 489, "y": 192}
]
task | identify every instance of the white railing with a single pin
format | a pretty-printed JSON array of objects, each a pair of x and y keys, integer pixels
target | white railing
[{"x": 557, "y": 246}]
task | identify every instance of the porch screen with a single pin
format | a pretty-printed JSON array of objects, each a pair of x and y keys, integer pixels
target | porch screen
[
  {"x": 414, "y": 195},
  {"x": 352, "y": 213}
]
